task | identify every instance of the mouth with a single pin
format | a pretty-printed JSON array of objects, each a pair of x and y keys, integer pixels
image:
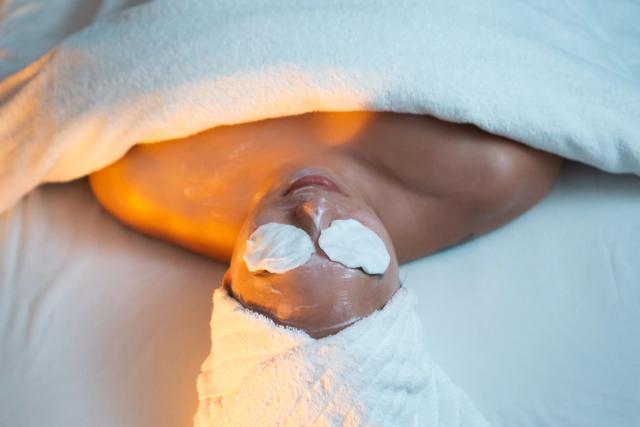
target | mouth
[{"x": 313, "y": 181}]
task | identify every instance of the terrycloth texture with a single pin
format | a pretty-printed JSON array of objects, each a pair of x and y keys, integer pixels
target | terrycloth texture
[
  {"x": 563, "y": 77},
  {"x": 374, "y": 373}
]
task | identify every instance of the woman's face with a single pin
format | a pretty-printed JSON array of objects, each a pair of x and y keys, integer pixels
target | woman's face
[{"x": 321, "y": 296}]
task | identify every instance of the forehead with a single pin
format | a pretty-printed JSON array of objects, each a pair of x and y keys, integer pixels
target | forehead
[
  {"x": 317, "y": 270},
  {"x": 320, "y": 284},
  {"x": 315, "y": 283}
]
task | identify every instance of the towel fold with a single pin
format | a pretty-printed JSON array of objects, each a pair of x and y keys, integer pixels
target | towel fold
[
  {"x": 376, "y": 372},
  {"x": 560, "y": 76}
]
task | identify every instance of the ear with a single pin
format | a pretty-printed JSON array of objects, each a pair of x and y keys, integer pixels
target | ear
[{"x": 226, "y": 280}]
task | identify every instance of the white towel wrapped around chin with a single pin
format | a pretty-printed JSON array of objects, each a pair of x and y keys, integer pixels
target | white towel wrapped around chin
[{"x": 375, "y": 373}]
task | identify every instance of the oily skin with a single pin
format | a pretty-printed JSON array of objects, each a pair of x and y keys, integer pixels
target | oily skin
[
  {"x": 322, "y": 296},
  {"x": 420, "y": 183}
]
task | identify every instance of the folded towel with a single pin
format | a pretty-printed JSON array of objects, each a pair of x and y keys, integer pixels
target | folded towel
[
  {"x": 376, "y": 372},
  {"x": 560, "y": 76}
]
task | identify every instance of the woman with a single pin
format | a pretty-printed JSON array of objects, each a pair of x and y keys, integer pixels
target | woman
[{"x": 419, "y": 183}]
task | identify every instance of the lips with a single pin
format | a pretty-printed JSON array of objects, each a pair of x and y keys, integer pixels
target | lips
[{"x": 313, "y": 180}]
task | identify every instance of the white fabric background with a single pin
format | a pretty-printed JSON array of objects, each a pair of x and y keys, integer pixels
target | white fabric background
[
  {"x": 559, "y": 76},
  {"x": 537, "y": 321}
]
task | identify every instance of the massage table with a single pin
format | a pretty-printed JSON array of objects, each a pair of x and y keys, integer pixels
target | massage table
[{"x": 538, "y": 321}]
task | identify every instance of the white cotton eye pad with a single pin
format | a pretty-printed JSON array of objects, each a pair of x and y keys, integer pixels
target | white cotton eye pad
[
  {"x": 277, "y": 248},
  {"x": 352, "y": 244}
]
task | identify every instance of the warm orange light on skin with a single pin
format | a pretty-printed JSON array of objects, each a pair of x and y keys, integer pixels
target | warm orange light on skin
[
  {"x": 337, "y": 129},
  {"x": 208, "y": 236},
  {"x": 196, "y": 191}
]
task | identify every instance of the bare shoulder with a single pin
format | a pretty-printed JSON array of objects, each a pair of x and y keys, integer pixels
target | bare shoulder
[{"x": 458, "y": 180}]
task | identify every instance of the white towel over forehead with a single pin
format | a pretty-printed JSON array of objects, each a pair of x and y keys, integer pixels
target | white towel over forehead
[
  {"x": 277, "y": 248},
  {"x": 260, "y": 373},
  {"x": 352, "y": 244}
]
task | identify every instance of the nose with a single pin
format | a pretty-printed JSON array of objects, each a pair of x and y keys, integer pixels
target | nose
[{"x": 314, "y": 215}]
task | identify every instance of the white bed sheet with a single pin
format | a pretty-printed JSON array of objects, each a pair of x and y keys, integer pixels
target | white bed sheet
[{"x": 538, "y": 321}]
